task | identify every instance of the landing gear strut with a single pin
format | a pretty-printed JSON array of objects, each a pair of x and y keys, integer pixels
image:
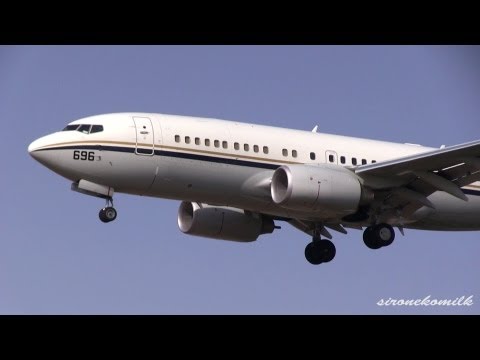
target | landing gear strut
[
  {"x": 108, "y": 213},
  {"x": 378, "y": 236}
]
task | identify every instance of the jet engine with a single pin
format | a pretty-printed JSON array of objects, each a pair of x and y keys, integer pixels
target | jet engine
[
  {"x": 224, "y": 223},
  {"x": 330, "y": 188}
]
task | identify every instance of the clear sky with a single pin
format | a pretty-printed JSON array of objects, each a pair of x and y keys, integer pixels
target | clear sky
[{"x": 56, "y": 257}]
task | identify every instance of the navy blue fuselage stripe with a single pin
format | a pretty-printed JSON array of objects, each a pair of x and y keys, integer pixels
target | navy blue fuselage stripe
[
  {"x": 173, "y": 154},
  {"x": 471, "y": 192},
  {"x": 192, "y": 157}
]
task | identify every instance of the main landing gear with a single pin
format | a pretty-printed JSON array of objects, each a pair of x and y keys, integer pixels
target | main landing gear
[
  {"x": 323, "y": 251},
  {"x": 377, "y": 236},
  {"x": 319, "y": 251},
  {"x": 108, "y": 213}
]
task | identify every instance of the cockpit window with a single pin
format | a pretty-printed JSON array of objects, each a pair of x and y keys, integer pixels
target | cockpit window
[
  {"x": 70, "y": 128},
  {"x": 85, "y": 128},
  {"x": 96, "y": 128}
]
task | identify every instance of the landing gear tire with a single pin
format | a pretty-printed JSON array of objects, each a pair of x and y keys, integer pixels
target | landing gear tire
[
  {"x": 107, "y": 214},
  {"x": 384, "y": 233},
  {"x": 369, "y": 239},
  {"x": 320, "y": 251},
  {"x": 378, "y": 236},
  {"x": 312, "y": 255}
]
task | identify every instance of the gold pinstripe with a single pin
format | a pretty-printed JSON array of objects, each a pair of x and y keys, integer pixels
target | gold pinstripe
[
  {"x": 230, "y": 154},
  {"x": 87, "y": 142}
]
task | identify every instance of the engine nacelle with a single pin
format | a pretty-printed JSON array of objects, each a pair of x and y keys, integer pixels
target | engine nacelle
[
  {"x": 222, "y": 223},
  {"x": 329, "y": 188}
]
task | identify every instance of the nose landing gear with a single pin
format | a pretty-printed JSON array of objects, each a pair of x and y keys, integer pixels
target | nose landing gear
[{"x": 108, "y": 213}]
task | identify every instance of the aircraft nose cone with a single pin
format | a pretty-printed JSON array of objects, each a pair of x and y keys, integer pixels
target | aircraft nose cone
[
  {"x": 31, "y": 149},
  {"x": 37, "y": 151}
]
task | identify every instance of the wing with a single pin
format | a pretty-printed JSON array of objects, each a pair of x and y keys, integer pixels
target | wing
[
  {"x": 429, "y": 161},
  {"x": 402, "y": 185},
  {"x": 308, "y": 227}
]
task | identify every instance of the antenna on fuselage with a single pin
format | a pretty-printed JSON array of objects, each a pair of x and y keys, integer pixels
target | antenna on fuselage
[{"x": 315, "y": 129}]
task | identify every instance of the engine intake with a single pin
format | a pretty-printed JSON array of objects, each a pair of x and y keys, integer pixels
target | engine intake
[
  {"x": 328, "y": 188},
  {"x": 224, "y": 223}
]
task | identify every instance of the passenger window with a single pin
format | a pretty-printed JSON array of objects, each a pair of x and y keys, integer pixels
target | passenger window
[
  {"x": 342, "y": 159},
  {"x": 207, "y": 142},
  {"x": 216, "y": 143},
  {"x": 294, "y": 153},
  {"x": 284, "y": 152},
  {"x": 84, "y": 129},
  {"x": 255, "y": 148},
  {"x": 374, "y": 161},
  {"x": 331, "y": 158},
  {"x": 312, "y": 156},
  {"x": 96, "y": 129},
  {"x": 224, "y": 144},
  {"x": 187, "y": 139},
  {"x": 364, "y": 161},
  {"x": 197, "y": 141},
  {"x": 236, "y": 146},
  {"x": 354, "y": 161},
  {"x": 265, "y": 149},
  {"x": 246, "y": 147},
  {"x": 177, "y": 138}
]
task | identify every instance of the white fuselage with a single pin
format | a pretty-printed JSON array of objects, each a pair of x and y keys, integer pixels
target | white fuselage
[{"x": 224, "y": 163}]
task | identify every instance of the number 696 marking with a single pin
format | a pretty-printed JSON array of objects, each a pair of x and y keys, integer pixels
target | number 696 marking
[{"x": 84, "y": 155}]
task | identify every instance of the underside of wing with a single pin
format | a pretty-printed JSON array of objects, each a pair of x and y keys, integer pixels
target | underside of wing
[
  {"x": 429, "y": 161},
  {"x": 402, "y": 186},
  {"x": 309, "y": 227}
]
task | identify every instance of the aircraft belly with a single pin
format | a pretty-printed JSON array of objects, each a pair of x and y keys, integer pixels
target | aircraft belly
[
  {"x": 202, "y": 181},
  {"x": 221, "y": 184}
]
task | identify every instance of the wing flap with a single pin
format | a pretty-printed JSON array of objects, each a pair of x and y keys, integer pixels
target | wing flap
[
  {"x": 309, "y": 226},
  {"x": 428, "y": 161},
  {"x": 442, "y": 184},
  {"x": 403, "y": 185}
]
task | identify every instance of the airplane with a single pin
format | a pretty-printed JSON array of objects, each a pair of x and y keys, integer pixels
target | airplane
[{"x": 237, "y": 181}]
